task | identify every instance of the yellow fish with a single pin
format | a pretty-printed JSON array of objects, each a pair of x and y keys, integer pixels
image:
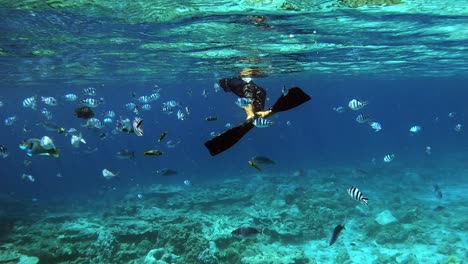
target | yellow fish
[
  {"x": 255, "y": 165},
  {"x": 153, "y": 152}
]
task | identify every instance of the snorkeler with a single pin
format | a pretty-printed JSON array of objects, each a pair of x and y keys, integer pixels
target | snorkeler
[{"x": 252, "y": 100}]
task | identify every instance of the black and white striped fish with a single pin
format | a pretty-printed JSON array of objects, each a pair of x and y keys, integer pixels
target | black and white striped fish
[
  {"x": 30, "y": 102},
  {"x": 146, "y": 107},
  {"x": 243, "y": 102},
  {"x": 49, "y": 100},
  {"x": 137, "y": 122},
  {"x": 91, "y": 102},
  {"x": 89, "y": 91},
  {"x": 355, "y": 104},
  {"x": 70, "y": 97},
  {"x": 46, "y": 113},
  {"x": 361, "y": 118},
  {"x": 3, "y": 151},
  {"x": 389, "y": 158},
  {"x": 357, "y": 195},
  {"x": 144, "y": 99},
  {"x": 262, "y": 122},
  {"x": 110, "y": 114},
  {"x": 154, "y": 96}
]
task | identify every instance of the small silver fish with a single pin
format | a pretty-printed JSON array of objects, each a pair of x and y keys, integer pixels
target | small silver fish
[{"x": 9, "y": 121}]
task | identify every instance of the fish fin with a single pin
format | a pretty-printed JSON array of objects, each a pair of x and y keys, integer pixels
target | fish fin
[
  {"x": 227, "y": 139},
  {"x": 294, "y": 98},
  {"x": 364, "y": 200}
]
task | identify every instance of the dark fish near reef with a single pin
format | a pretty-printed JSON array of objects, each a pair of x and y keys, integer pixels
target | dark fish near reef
[
  {"x": 245, "y": 231},
  {"x": 211, "y": 118},
  {"x": 437, "y": 191},
  {"x": 84, "y": 112},
  {"x": 263, "y": 160},
  {"x": 334, "y": 235},
  {"x": 166, "y": 172},
  {"x": 125, "y": 154},
  {"x": 162, "y": 136}
]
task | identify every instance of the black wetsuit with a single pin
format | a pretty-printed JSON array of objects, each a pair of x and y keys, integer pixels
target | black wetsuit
[
  {"x": 257, "y": 94},
  {"x": 245, "y": 89}
]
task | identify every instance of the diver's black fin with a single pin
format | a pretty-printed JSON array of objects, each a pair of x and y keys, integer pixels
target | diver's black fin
[
  {"x": 227, "y": 139},
  {"x": 293, "y": 98}
]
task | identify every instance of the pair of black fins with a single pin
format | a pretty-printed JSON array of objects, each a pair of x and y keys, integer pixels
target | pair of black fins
[{"x": 257, "y": 95}]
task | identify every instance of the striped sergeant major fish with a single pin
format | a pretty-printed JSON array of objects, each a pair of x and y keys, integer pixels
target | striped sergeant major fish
[
  {"x": 9, "y": 121},
  {"x": 30, "y": 102},
  {"x": 389, "y": 158},
  {"x": 3, "y": 151},
  {"x": 361, "y": 118},
  {"x": 146, "y": 107},
  {"x": 110, "y": 114},
  {"x": 91, "y": 102},
  {"x": 70, "y": 97},
  {"x": 46, "y": 113},
  {"x": 137, "y": 128},
  {"x": 154, "y": 96},
  {"x": 357, "y": 195},
  {"x": 144, "y": 99},
  {"x": 243, "y": 102},
  {"x": 355, "y": 104},
  {"x": 49, "y": 100},
  {"x": 262, "y": 122},
  {"x": 89, "y": 91}
]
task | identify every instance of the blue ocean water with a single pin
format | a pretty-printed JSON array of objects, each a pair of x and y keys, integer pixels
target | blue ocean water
[
  {"x": 408, "y": 61},
  {"x": 317, "y": 136}
]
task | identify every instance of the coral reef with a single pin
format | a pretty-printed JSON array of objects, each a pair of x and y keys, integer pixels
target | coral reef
[
  {"x": 172, "y": 224},
  {"x": 359, "y": 3}
]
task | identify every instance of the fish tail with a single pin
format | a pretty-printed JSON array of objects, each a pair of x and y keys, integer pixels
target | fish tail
[
  {"x": 365, "y": 200},
  {"x": 55, "y": 152}
]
